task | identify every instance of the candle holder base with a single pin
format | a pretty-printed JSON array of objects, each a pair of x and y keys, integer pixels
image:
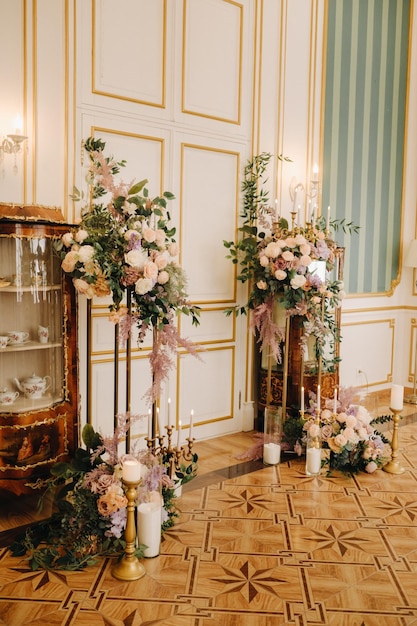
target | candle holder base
[
  {"x": 393, "y": 467},
  {"x": 128, "y": 569}
]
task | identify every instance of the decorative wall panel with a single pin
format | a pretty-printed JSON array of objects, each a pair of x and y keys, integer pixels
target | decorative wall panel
[
  {"x": 209, "y": 186},
  {"x": 212, "y": 63},
  {"x": 214, "y": 326},
  {"x": 136, "y": 30},
  {"x": 206, "y": 387},
  {"x": 367, "y": 352},
  {"x": 364, "y": 124}
]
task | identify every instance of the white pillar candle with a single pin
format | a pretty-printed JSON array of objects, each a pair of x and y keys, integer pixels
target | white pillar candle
[
  {"x": 397, "y": 397},
  {"x": 149, "y": 527},
  {"x": 191, "y": 424},
  {"x": 315, "y": 173},
  {"x": 313, "y": 461},
  {"x": 158, "y": 422},
  {"x": 131, "y": 471},
  {"x": 149, "y": 424},
  {"x": 272, "y": 453}
]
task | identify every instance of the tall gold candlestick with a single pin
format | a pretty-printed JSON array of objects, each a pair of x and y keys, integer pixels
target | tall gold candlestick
[
  {"x": 129, "y": 567},
  {"x": 393, "y": 466}
]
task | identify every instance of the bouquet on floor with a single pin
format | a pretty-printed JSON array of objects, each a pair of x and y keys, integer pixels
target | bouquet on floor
[
  {"x": 349, "y": 438},
  {"x": 92, "y": 507}
]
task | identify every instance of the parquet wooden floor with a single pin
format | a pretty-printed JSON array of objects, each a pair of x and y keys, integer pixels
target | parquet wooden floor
[{"x": 254, "y": 546}]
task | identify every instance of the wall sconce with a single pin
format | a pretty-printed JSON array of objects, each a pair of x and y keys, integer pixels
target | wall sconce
[{"x": 13, "y": 143}]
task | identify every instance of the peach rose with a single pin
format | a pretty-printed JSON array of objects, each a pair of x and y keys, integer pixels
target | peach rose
[
  {"x": 149, "y": 235},
  {"x": 163, "y": 277},
  {"x": 83, "y": 287},
  {"x": 69, "y": 261},
  {"x": 150, "y": 270}
]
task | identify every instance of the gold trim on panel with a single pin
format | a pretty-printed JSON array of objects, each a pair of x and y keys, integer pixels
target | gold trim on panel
[
  {"x": 232, "y": 391},
  {"x": 34, "y": 100},
  {"x": 25, "y": 99},
  {"x": 411, "y": 360},
  {"x": 159, "y": 105},
  {"x": 183, "y": 146},
  {"x": 236, "y": 121},
  {"x": 214, "y": 341},
  {"x": 123, "y": 133}
]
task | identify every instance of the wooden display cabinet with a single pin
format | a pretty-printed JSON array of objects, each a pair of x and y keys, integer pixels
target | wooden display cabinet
[{"x": 38, "y": 357}]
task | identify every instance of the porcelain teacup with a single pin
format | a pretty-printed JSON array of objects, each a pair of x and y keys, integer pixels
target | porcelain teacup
[
  {"x": 18, "y": 336},
  {"x": 4, "y": 341},
  {"x": 7, "y": 396}
]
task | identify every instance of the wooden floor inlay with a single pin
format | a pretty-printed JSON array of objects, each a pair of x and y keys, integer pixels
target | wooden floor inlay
[{"x": 253, "y": 546}]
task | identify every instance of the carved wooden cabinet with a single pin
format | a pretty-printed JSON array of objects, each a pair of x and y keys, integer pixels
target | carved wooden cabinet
[
  {"x": 304, "y": 369},
  {"x": 38, "y": 359}
]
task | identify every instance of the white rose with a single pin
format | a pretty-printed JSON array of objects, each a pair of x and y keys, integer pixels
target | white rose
[
  {"x": 263, "y": 260},
  {"x": 136, "y": 258},
  {"x": 298, "y": 281},
  {"x": 163, "y": 277},
  {"x": 300, "y": 240},
  {"x": 272, "y": 250},
  {"x": 81, "y": 235},
  {"x": 261, "y": 284},
  {"x": 287, "y": 255},
  {"x": 290, "y": 242},
  {"x": 280, "y": 275},
  {"x": 85, "y": 253},
  {"x": 305, "y": 248},
  {"x": 305, "y": 260},
  {"x": 67, "y": 239},
  {"x": 129, "y": 208},
  {"x": 143, "y": 285}
]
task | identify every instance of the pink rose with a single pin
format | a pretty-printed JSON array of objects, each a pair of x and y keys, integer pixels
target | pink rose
[
  {"x": 149, "y": 235},
  {"x": 150, "y": 270},
  {"x": 161, "y": 261},
  {"x": 371, "y": 467},
  {"x": 173, "y": 249}
]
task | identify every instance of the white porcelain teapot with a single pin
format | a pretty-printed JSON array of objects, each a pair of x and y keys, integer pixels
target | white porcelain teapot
[{"x": 34, "y": 386}]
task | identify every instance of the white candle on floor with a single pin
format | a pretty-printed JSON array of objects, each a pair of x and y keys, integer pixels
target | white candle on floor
[
  {"x": 313, "y": 461},
  {"x": 272, "y": 453},
  {"x": 149, "y": 527}
]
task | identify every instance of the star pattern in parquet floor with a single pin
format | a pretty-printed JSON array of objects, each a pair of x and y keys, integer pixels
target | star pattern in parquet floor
[{"x": 253, "y": 546}]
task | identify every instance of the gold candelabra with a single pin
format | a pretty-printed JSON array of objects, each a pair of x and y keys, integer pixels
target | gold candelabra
[
  {"x": 393, "y": 466},
  {"x": 167, "y": 451},
  {"x": 129, "y": 567}
]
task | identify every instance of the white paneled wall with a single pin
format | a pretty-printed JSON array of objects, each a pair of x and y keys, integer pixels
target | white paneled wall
[{"x": 186, "y": 91}]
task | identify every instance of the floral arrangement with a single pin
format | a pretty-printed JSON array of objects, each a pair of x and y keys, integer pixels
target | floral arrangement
[
  {"x": 125, "y": 248},
  {"x": 91, "y": 505},
  {"x": 285, "y": 265},
  {"x": 349, "y": 437}
]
